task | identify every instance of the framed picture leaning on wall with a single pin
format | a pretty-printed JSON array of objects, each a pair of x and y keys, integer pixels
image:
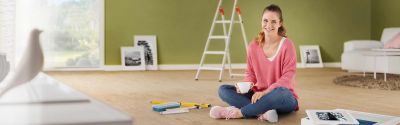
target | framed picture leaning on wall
[
  {"x": 310, "y": 56},
  {"x": 149, "y": 43},
  {"x": 132, "y": 58}
]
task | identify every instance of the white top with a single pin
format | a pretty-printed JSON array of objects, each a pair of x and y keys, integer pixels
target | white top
[{"x": 279, "y": 48}]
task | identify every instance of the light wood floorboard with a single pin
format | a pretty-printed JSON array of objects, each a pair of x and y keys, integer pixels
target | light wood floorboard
[{"x": 131, "y": 91}]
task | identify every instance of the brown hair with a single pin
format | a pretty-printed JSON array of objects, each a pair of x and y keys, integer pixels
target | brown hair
[{"x": 281, "y": 30}]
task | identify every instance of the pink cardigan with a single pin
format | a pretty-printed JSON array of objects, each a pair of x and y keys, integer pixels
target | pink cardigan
[{"x": 268, "y": 75}]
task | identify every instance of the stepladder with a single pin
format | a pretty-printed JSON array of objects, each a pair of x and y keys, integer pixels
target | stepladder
[{"x": 226, "y": 37}]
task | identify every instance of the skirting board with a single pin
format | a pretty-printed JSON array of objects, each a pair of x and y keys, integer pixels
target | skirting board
[
  {"x": 195, "y": 66},
  {"x": 173, "y": 67},
  {"x": 176, "y": 67},
  {"x": 326, "y": 65}
]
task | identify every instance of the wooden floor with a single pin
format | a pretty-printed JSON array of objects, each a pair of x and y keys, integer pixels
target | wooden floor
[{"x": 131, "y": 92}]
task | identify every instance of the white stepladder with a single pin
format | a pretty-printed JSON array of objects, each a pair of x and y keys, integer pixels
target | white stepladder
[{"x": 226, "y": 37}]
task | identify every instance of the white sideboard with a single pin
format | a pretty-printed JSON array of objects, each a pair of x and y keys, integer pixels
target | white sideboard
[{"x": 45, "y": 101}]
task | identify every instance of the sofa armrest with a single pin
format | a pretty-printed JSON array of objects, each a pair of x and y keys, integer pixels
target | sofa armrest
[{"x": 361, "y": 44}]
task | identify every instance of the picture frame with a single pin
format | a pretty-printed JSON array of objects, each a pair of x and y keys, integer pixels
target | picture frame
[
  {"x": 311, "y": 56},
  {"x": 331, "y": 117},
  {"x": 372, "y": 118},
  {"x": 149, "y": 43},
  {"x": 132, "y": 58}
]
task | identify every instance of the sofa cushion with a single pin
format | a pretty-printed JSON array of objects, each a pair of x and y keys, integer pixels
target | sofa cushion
[{"x": 394, "y": 42}]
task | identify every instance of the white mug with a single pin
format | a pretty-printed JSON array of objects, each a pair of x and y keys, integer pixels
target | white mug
[{"x": 244, "y": 87}]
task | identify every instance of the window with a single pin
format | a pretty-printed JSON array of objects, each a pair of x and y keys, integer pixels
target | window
[
  {"x": 7, "y": 29},
  {"x": 73, "y": 31}
]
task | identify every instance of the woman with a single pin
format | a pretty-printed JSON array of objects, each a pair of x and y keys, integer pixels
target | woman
[{"x": 271, "y": 68}]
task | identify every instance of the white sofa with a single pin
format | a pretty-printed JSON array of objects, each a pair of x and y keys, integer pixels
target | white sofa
[{"x": 355, "y": 59}]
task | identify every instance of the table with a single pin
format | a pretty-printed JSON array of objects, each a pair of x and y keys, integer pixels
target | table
[
  {"x": 385, "y": 53},
  {"x": 46, "y": 101}
]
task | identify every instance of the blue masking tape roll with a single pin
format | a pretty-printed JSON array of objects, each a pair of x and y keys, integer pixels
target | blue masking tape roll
[{"x": 164, "y": 107}]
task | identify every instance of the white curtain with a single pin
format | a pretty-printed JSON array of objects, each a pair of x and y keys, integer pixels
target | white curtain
[
  {"x": 72, "y": 34},
  {"x": 7, "y": 29},
  {"x": 71, "y": 29}
]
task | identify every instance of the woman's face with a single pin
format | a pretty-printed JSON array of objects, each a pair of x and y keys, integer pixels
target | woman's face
[{"x": 270, "y": 23}]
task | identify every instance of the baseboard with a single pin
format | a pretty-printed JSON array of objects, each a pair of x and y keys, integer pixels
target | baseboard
[
  {"x": 326, "y": 65},
  {"x": 112, "y": 68},
  {"x": 176, "y": 67},
  {"x": 195, "y": 66},
  {"x": 333, "y": 65},
  {"x": 74, "y": 69}
]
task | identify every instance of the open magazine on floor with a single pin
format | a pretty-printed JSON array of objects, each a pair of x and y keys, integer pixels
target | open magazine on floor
[
  {"x": 331, "y": 117},
  {"x": 363, "y": 118}
]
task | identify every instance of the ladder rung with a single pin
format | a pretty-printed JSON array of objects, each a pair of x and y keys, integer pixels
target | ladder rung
[
  {"x": 218, "y": 37},
  {"x": 226, "y": 21},
  {"x": 210, "y": 68},
  {"x": 215, "y": 52},
  {"x": 238, "y": 74}
]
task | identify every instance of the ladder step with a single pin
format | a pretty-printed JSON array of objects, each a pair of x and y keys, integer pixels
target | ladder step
[
  {"x": 218, "y": 37},
  {"x": 210, "y": 68},
  {"x": 215, "y": 52},
  {"x": 226, "y": 21},
  {"x": 238, "y": 74}
]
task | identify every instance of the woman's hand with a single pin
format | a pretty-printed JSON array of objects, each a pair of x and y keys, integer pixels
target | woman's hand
[{"x": 257, "y": 95}]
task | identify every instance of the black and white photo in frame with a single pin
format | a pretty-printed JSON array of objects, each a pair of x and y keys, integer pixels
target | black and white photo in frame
[
  {"x": 132, "y": 58},
  {"x": 331, "y": 117},
  {"x": 149, "y": 43},
  {"x": 310, "y": 56}
]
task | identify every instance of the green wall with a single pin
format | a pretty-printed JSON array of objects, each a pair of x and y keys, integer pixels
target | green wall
[
  {"x": 182, "y": 26},
  {"x": 385, "y": 13}
]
